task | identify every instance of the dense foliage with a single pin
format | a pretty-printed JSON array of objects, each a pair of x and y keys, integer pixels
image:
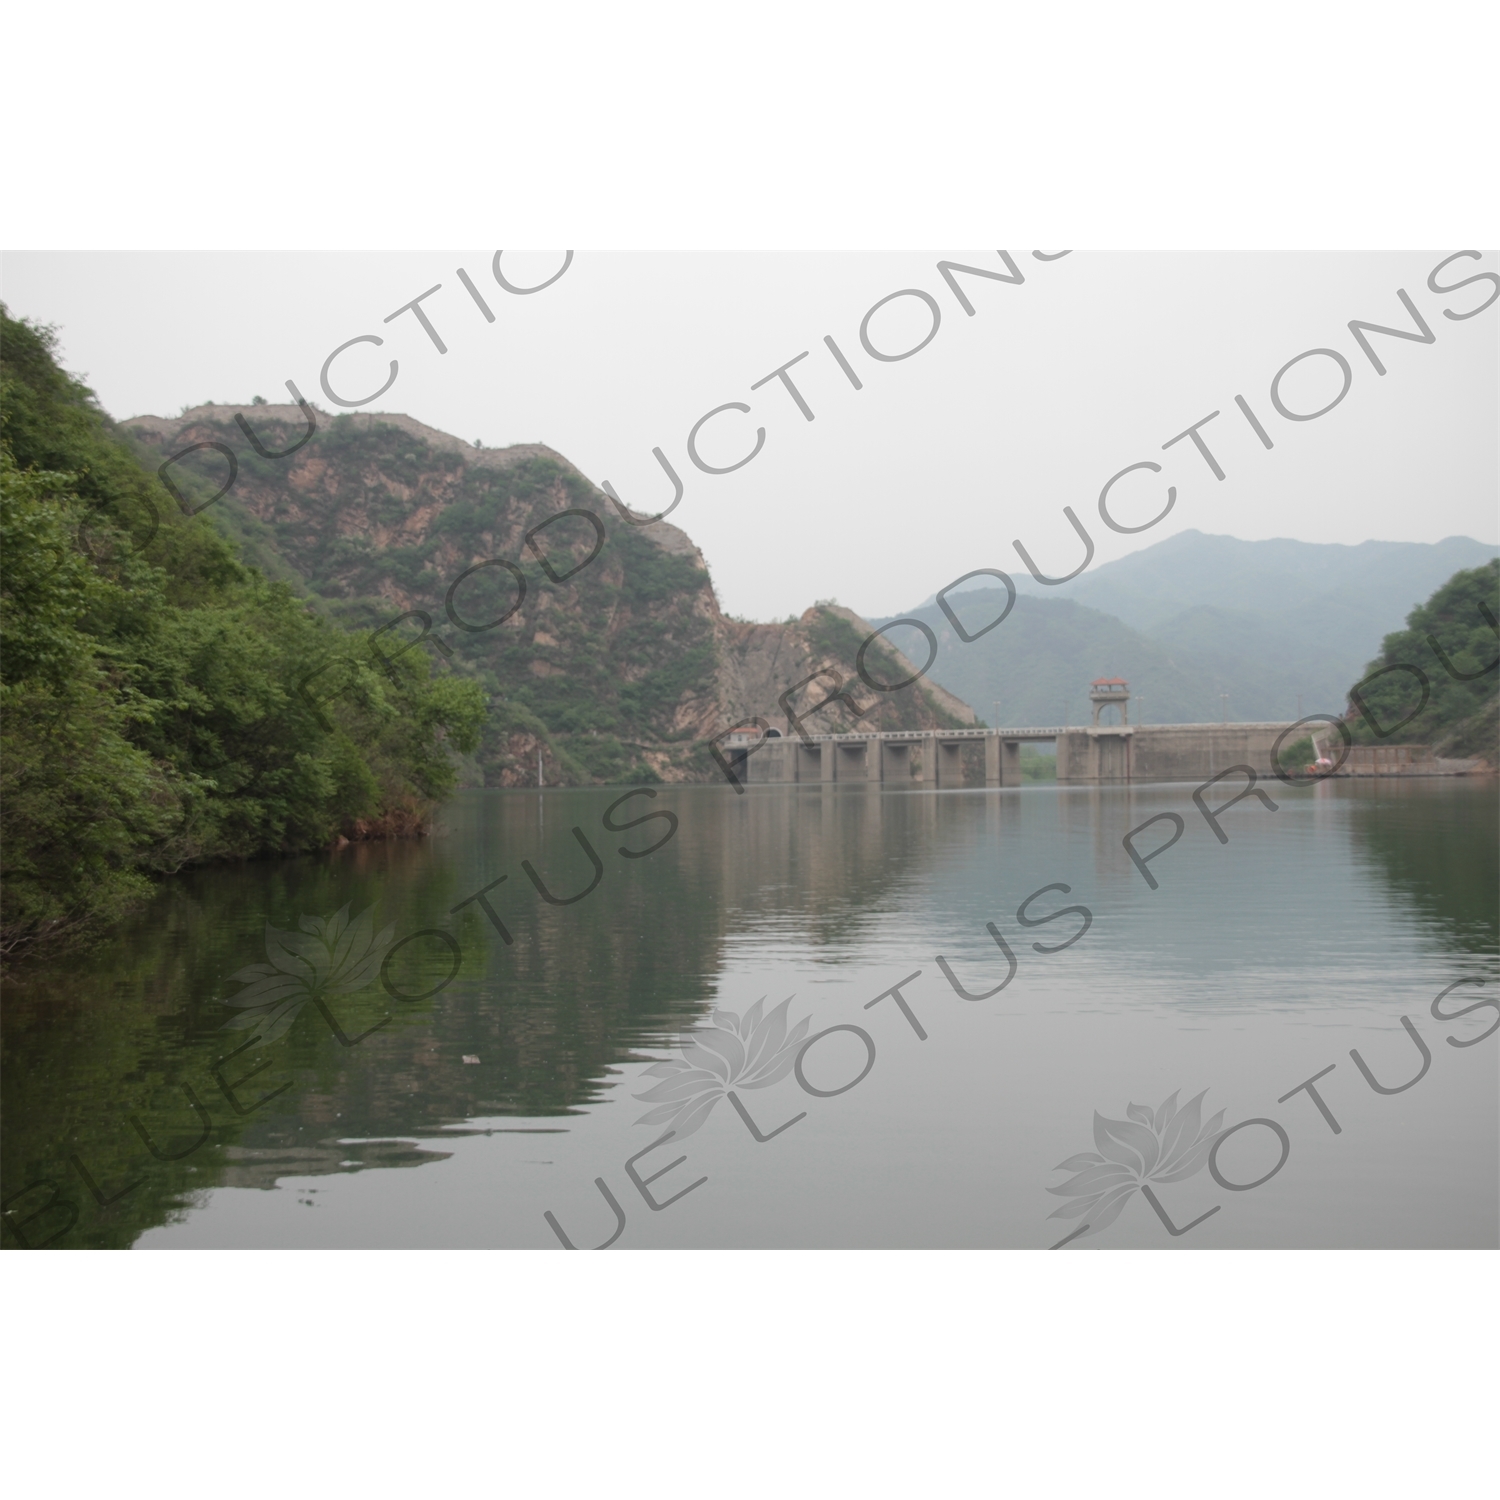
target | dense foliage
[
  {"x": 1459, "y": 715},
  {"x": 162, "y": 702}
]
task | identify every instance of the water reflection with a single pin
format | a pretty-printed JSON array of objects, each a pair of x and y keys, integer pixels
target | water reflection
[
  {"x": 1440, "y": 850},
  {"x": 830, "y": 875}
]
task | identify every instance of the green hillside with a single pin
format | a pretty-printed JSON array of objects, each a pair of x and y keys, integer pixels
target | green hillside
[
  {"x": 1461, "y": 712},
  {"x": 151, "y": 693}
]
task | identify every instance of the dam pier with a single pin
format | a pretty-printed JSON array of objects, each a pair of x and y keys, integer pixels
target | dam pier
[{"x": 1091, "y": 755}]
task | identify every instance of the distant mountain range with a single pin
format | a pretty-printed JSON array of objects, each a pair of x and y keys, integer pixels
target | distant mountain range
[
  {"x": 622, "y": 673},
  {"x": 1202, "y": 627}
]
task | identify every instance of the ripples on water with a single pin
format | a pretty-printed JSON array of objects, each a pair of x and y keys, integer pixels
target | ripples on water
[{"x": 1254, "y": 965}]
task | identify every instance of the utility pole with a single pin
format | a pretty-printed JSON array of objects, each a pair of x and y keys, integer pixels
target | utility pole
[
  {"x": 539, "y": 781},
  {"x": 995, "y": 724},
  {"x": 1224, "y": 699}
]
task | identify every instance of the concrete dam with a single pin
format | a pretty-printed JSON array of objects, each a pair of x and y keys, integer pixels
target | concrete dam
[
  {"x": 1096, "y": 754},
  {"x": 1166, "y": 752}
]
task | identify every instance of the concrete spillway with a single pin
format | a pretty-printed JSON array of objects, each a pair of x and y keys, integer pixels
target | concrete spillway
[{"x": 1092, "y": 755}]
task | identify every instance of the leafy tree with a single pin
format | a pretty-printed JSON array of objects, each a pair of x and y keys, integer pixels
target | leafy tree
[{"x": 1461, "y": 690}]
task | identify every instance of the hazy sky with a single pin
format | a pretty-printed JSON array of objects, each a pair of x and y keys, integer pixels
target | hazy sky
[{"x": 928, "y": 471}]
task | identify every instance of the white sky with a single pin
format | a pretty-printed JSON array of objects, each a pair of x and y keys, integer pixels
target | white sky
[{"x": 927, "y": 472}]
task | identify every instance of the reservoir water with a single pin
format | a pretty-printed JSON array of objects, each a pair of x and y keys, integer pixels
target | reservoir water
[{"x": 465, "y": 1069}]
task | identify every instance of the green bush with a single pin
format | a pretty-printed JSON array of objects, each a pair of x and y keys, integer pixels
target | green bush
[{"x": 1454, "y": 619}]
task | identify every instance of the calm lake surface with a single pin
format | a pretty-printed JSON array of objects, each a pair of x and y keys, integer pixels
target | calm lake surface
[{"x": 1324, "y": 928}]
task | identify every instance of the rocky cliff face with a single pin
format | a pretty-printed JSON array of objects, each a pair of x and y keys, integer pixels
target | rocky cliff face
[{"x": 601, "y": 643}]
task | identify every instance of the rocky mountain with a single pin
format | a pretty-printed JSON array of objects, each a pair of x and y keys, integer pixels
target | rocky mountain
[{"x": 598, "y": 640}]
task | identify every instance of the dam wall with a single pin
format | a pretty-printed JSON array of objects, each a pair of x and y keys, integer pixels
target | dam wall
[
  {"x": 1165, "y": 752},
  {"x": 935, "y": 758}
]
